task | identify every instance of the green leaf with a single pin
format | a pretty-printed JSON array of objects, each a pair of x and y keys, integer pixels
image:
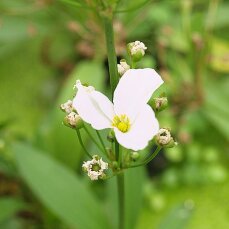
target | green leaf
[
  {"x": 9, "y": 207},
  {"x": 59, "y": 189},
  {"x": 216, "y": 108},
  {"x": 134, "y": 180},
  {"x": 21, "y": 89}
]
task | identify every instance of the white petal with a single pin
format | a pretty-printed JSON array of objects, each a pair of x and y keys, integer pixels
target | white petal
[
  {"x": 93, "y": 107},
  {"x": 135, "y": 88},
  {"x": 141, "y": 132}
]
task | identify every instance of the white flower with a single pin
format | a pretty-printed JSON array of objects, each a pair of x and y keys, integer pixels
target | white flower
[
  {"x": 132, "y": 119},
  {"x": 122, "y": 67},
  {"x": 67, "y": 107},
  {"x": 136, "y": 47},
  {"x": 95, "y": 167}
]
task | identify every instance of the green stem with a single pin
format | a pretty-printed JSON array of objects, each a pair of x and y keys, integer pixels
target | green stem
[
  {"x": 155, "y": 153},
  {"x": 133, "y": 64},
  {"x": 92, "y": 138},
  {"x": 82, "y": 145},
  {"x": 101, "y": 141},
  {"x": 112, "y": 59},
  {"x": 121, "y": 198},
  {"x": 120, "y": 158},
  {"x": 112, "y": 63},
  {"x": 116, "y": 150}
]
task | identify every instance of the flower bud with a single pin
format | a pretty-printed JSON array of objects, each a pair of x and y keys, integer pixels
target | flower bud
[
  {"x": 159, "y": 104},
  {"x": 136, "y": 50},
  {"x": 164, "y": 138},
  {"x": 111, "y": 136},
  {"x": 122, "y": 67},
  {"x": 67, "y": 107},
  {"x": 114, "y": 165},
  {"x": 134, "y": 155},
  {"x": 73, "y": 120}
]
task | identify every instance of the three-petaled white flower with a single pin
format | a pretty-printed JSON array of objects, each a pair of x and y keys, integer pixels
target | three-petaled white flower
[{"x": 132, "y": 119}]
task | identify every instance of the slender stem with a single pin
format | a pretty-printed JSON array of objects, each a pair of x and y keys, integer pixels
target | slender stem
[
  {"x": 82, "y": 145},
  {"x": 120, "y": 158},
  {"x": 116, "y": 150},
  {"x": 92, "y": 138},
  {"x": 112, "y": 59},
  {"x": 112, "y": 63},
  {"x": 151, "y": 157},
  {"x": 101, "y": 141},
  {"x": 120, "y": 184},
  {"x": 121, "y": 198}
]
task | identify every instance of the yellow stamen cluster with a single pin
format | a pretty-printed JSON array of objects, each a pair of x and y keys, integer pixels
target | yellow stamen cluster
[{"x": 122, "y": 122}]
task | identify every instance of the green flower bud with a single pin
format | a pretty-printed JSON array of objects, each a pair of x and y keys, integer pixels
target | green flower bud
[
  {"x": 73, "y": 121},
  {"x": 159, "y": 104},
  {"x": 164, "y": 138},
  {"x": 67, "y": 107},
  {"x": 134, "y": 155},
  {"x": 111, "y": 136},
  {"x": 123, "y": 67},
  {"x": 136, "y": 50},
  {"x": 114, "y": 165}
]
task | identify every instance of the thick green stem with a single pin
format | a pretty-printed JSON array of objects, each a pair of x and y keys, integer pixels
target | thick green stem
[
  {"x": 121, "y": 199},
  {"x": 112, "y": 63},
  {"x": 112, "y": 59}
]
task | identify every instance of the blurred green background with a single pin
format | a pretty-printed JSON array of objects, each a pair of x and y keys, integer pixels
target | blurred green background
[{"x": 45, "y": 45}]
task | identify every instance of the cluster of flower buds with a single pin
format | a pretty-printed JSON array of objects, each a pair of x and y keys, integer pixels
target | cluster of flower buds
[
  {"x": 72, "y": 119},
  {"x": 136, "y": 51},
  {"x": 164, "y": 138},
  {"x": 95, "y": 168}
]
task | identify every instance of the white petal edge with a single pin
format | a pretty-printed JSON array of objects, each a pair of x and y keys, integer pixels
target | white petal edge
[
  {"x": 141, "y": 132},
  {"x": 135, "y": 88},
  {"x": 94, "y": 108}
]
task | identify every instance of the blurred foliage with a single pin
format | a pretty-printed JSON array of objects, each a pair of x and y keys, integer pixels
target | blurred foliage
[{"x": 45, "y": 45}]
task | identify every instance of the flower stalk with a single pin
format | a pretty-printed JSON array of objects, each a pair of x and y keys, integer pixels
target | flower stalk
[
  {"x": 121, "y": 198},
  {"x": 113, "y": 72},
  {"x": 111, "y": 54},
  {"x": 81, "y": 143},
  {"x": 150, "y": 158}
]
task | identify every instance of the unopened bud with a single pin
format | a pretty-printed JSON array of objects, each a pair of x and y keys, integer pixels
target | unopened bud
[
  {"x": 122, "y": 67},
  {"x": 164, "y": 138},
  {"x": 134, "y": 155},
  {"x": 73, "y": 120},
  {"x": 114, "y": 164},
  {"x": 159, "y": 104},
  {"x": 111, "y": 136},
  {"x": 67, "y": 107},
  {"x": 136, "y": 50}
]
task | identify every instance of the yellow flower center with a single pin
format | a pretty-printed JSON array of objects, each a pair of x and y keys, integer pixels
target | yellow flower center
[{"x": 122, "y": 122}]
